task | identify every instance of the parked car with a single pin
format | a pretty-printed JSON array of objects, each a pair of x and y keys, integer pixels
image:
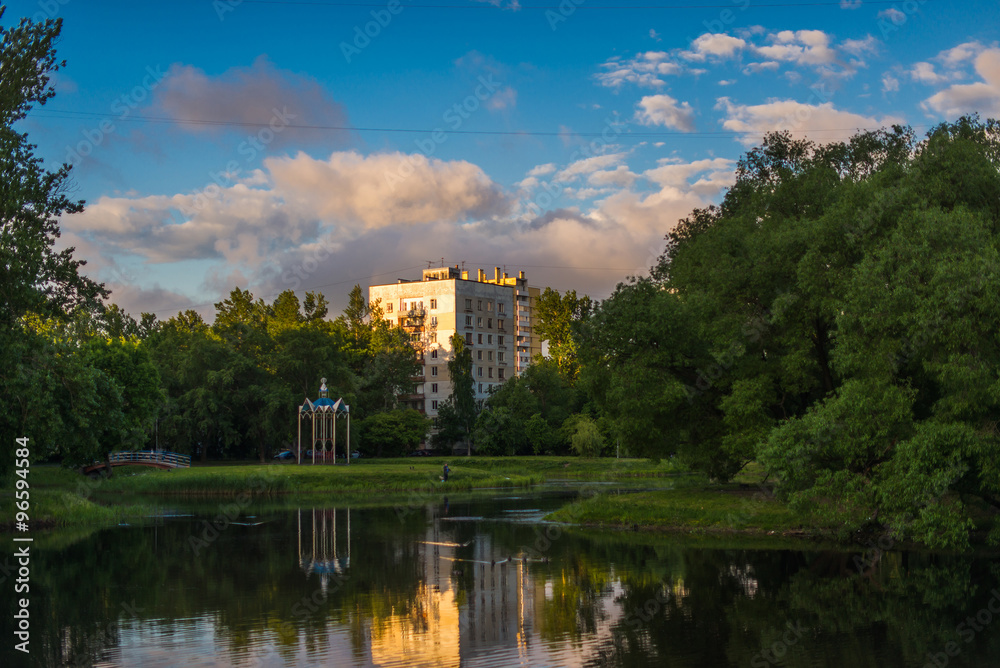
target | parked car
[
  {"x": 285, "y": 454},
  {"x": 421, "y": 453}
]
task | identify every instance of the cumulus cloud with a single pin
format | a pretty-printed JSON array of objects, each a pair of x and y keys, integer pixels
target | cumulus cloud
[
  {"x": 586, "y": 166},
  {"x": 666, "y": 111},
  {"x": 303, "y": 199},
  {"x": 717, "y": 45},
  {"x": 982, "y": 96},
  {"x": 894, "y": 15},
  {"x": 923, "y": 72},
  {"x": 860, "y": 47},
  {"x": 645, "y": 70},
  {"x": 754, "y": 68},
  {"x": 802, "y": 47},
  {"x": 890, "y": 84},
  {"x": 822, "y": 122},
  {"x": 714, "y": 174},
  {"x": 250, "y": 98},
  {"x": 386, "y": 188}
]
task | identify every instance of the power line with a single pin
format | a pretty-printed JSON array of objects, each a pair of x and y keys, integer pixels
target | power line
[
  {"x": 557, "y": 7},
  {"x": 69, "y": 114}
]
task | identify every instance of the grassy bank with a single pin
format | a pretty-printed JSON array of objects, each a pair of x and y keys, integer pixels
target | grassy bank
[
  {"x": 59, "y": 497},
  {"x": 694, "y": 506},
  {"x": 690, "y": 510}
]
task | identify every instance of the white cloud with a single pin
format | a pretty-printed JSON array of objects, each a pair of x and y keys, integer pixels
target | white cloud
[
  {"x": 386, "y": 188},
  {"x": 982, "y": 96},
  {"x": 754, "y": 68},
  {"x": 505, "y": 98},
  {"x": 542, "y": 170},
  {"x": 620, "y": 176},
  {"x": 655, "y": 35},
  {"x": 890, "y": 84},
  {"x": 894, "y": 15},
  {"x": 822, "y": 123},
  {"x": 676, "y": 176},
  {"x": 960, "y": 54},
  {"x": 923, "y": 72},
  {"x": 303, "y": 197},
  {"x": 802, "y": 47},
  {"x": 718, "y": 46},
  {"x": 860, "y": 47},
  {"x": 850, "y": 4},
  {"x": 588, "y": 166},
  {"x": 645, "y": 70},
  {"x": 727, "y": 82},
  {"x": 665, "y": 110}
]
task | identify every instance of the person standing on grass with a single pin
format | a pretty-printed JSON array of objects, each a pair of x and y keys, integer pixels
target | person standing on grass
[{"x": 446, "y": 471}]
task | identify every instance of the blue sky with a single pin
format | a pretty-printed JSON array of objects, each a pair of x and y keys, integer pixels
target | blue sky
[{"x": 315, "y": 145}]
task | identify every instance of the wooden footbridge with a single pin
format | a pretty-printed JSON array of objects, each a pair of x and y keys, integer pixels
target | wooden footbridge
[{"x": 157, "y": 459}]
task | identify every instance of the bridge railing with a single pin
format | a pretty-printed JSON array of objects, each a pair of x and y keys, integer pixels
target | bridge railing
[{"x": 150, "y": 456}]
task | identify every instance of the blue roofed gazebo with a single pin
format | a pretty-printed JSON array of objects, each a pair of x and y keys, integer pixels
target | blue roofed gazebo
[{"x": 322, "y": 415}]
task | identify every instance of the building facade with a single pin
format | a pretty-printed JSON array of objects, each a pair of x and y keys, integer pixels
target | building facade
[{"x": 493, "y": 314}]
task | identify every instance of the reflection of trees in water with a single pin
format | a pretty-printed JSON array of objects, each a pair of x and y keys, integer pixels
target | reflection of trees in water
[
  {"x": 740, "y": 603},
  {"x": 709, "y": 606}
]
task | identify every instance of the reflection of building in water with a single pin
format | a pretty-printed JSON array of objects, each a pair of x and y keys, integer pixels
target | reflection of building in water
[
  {"x": 319, "y": 551},
  {"x": 469, "y": 603},
  {"x": 501, "y": 603}
]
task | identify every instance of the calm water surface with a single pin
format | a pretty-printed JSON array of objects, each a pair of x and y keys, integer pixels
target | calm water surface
[{"x": 484, "y": 583}]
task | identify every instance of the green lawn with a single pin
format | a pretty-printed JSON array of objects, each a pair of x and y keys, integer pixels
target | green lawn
[{"x": 690, "y": 508}]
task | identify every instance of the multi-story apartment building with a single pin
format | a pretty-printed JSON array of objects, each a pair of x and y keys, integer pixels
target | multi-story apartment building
[{"x": 493, "y": 314}]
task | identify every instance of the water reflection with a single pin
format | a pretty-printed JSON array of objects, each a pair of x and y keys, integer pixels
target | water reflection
[{"x": 474, "y": 584}]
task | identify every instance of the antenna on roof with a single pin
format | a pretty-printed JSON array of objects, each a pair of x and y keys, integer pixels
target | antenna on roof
[
  {"x": 442, "y": 262},
  {"x": 430, "y": 263},
  {"x": 463, "y": 265}
]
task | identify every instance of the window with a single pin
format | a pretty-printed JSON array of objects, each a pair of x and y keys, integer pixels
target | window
[
  {"x": 434, "y": 321},
  {"x": 500, "y": 340},
  {"x": 434, "y": 354},
  {"x": 468, "y": 338},
  {"x": 480, "y": 339},
  {"x": 490, "y": 372},
  {"x": 500, "y": 374},
  {"x": 468, "y": 321},
  {"x": 490, "y": 355},
  {"x": 415, "y": 336},
  {"x": 479, "y": 372},
  {"x": 489, "y": 306},
  {"x": 489, "y": 339},
  {"x": 434, "y": 303},
  {"x": 468, "y": 304},
  {"x": 434, "y": 388},
  {"x": 480, "y": 354},
  {"x": 489, "y": 323},
  {"x": 434, "y": 369},
  {"x": 433, "y": 338},
  {"x": 480, "y": 388},
  {"x": 500, "y": 307},
  {"x": 479, "y": 322},
  {"x": 434, "y": 405},
  {"x": 500, "y": 325},
  {"x": 480, "y": 305},
  {"x": 388, "y": 307},
  {"x": 499, "y": 359}
]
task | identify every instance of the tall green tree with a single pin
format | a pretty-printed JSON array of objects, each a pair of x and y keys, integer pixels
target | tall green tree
[
  {"x": 555, "y": 315},
  {"x": 458, "y": 416},
  {"x": 35, "y": 279}
]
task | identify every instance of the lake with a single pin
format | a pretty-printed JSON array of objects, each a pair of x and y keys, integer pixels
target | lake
[{"x": 482, "y": 581}]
